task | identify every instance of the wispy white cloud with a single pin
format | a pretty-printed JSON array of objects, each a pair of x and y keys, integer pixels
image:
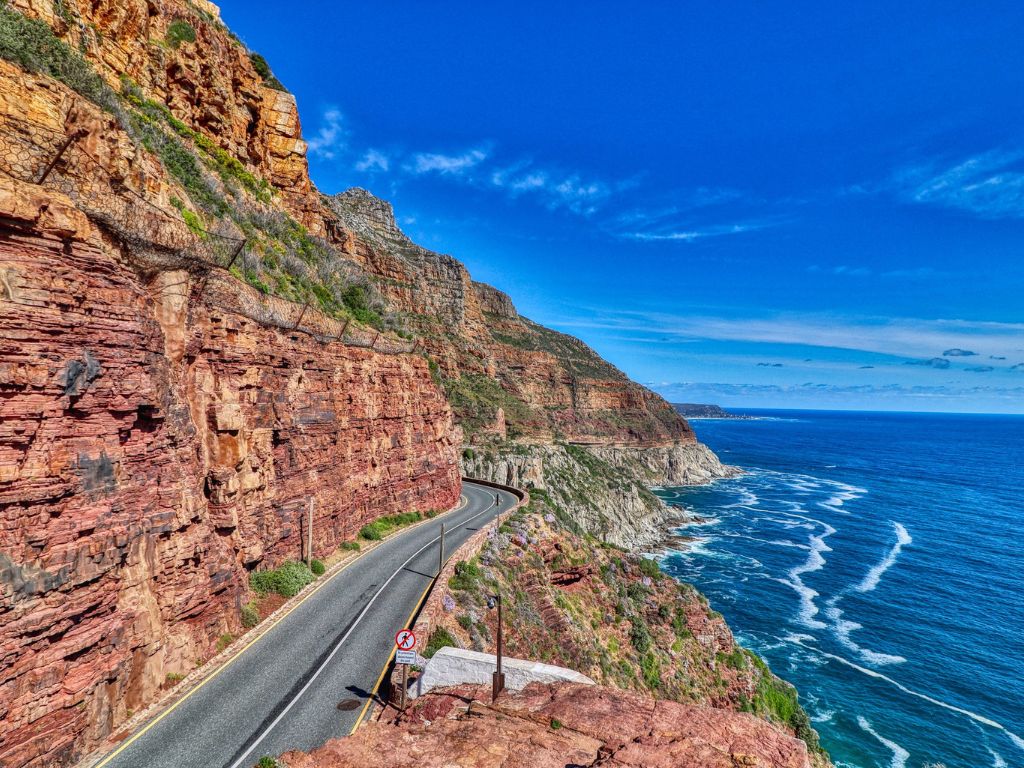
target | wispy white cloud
[
  {"x": 373, "y": 160},
  {"x": 554, "y": 188},
  {"x": 901, "y": 337},
  {"x": 331, "y": 136},
  {"x": 447, "y": 165},
  {"x": 699, "y": 233},
  {"x": 989, "y": 185}
]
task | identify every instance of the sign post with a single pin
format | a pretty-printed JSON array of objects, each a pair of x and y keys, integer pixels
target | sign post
[{"x": 405, "y": 642}]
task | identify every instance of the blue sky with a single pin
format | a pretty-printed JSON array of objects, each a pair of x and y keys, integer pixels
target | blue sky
[{"x": 778, "y": 205}]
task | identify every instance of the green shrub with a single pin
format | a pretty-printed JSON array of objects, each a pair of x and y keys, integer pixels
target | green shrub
[
  {"x": 439, "y": 638},
  {"x": 466, "y": 576},
  {"x": 317, "y": 567},
  {"x": 224, "y": 641},
  {"x": 639, "y": 635},
  {"x": 173, "y": 678},
  {"x": 349, "y": 546},
  {"x": 468, "y": 454},
  {"x": 192, "y": 221},
  {"x": 556, "y": 724},
  {"x": 381, "y": 527},
  {"x": 31, "y": 44},
  {"x": 267, "y": 762},
  {"x": 374, "y": 531},
  {"x": 650, "y": 568},
  {"x": 287, "y": 580},
  {"x": 651, "y": 670},
  {"x": 179, "y": 32},
  {"x": 263, "y": 70},
  {"x": 465, "y": 621},
  {"x": 250, "y": 615}
]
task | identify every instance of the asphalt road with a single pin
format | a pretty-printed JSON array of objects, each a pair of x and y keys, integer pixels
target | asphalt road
[{"x": 283, "y": 692}]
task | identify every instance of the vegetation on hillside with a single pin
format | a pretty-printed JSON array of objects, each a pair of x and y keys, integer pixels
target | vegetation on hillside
[
  {"x": 475, "y": 400},
  {"x": 616, "y": 617},
  {"x": 222, "y": 197}
]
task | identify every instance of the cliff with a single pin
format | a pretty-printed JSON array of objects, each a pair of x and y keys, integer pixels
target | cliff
[
  {"x": 507, "y": 376},
  {"x": 559, "y": 725},
  {"x": 572, "y": 601},
  {"x": 164, "y": 427}
]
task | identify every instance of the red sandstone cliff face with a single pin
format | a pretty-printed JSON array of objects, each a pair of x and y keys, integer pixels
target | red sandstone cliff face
[
  {"x": 152, "y": 451},
  {"x": 551, "y": 726},
  {"x": 547, "y": 385}
]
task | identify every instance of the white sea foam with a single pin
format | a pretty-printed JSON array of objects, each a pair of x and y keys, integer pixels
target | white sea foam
[
  {"x": 997, "y": 759},
  {"x": 899, "y": 754},
  {"x": 825, "y": 716},
  {"x": 875, "y": 574},
  {"x": 844, "y": 628},
  {"x": 1016, "y": 739},
  {"x": 815, "y": 562}
]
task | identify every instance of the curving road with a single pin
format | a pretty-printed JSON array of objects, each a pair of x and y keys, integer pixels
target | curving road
[{"x": 308, "y": 679}]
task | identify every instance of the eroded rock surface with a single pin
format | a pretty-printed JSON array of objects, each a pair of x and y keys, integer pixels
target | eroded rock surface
[
  {"x": 559, "y": 726},
  {"x": 153, "y": 450}
]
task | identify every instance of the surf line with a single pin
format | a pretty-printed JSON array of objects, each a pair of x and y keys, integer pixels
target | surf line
[{"x": 1016, "y": 739}]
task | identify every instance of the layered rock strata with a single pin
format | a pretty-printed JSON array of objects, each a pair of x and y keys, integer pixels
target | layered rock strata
[{"x": 153, "y": 450}]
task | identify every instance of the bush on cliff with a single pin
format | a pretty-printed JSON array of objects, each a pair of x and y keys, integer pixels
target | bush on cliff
[
  {"x": 467, "y": 574},
  {"x": 286, "y": 580},
  {"x": 439, "y": 638},
  {"x": 250, "y": 615},
  {"x": 263, "y": 70},
  {"x": 179, "y": 32},
  {"x": 31, "y": 44},
  {"x": 317, "y": 567}
]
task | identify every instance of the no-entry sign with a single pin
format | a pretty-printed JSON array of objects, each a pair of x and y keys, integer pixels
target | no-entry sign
[{"x": 405, "y": 639}]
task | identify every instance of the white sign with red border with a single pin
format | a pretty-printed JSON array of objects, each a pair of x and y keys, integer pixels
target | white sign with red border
[{"x": 405, "y": 639}]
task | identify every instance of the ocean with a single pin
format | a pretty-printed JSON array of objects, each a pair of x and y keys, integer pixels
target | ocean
[{"x": 876, "y": 561}]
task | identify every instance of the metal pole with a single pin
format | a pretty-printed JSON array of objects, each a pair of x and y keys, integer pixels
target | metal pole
[
  {"x": 498, "y": 682},
  {"x": 309, "y": 535},
  {"x": 405, "y": 683},
  {"x": 235, "y": 255},
  {"x": 302, "y": 314},
  {"x": 60, "y": 153},
  {"x": 440, "y": 557}
]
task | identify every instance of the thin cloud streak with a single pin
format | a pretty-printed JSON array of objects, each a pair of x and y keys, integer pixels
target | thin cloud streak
[
  {"x": 989, "y": 185},
  {"x": 902, "y": 337}
]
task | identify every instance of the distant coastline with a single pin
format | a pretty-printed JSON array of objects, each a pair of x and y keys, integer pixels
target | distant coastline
[{"x": 697, "y": 411}]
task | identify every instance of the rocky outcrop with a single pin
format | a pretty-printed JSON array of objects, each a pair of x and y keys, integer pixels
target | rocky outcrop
[
  {"x": 546, "y": 385},
  {"x": 603, "y": 489},
  {"x": 556, "y": 726},
  {"x": 154, "y": 449},
  {"x": 677, "y": 465},
  {"x": 209, "y": 82}
]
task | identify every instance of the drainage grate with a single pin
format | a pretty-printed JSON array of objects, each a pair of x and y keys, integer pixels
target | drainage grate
[{"x": 347, "y": 705}]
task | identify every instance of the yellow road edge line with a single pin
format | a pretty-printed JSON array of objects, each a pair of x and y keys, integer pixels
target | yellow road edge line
[
  {"x": 380, "y": 678},
  {"x": 141, "y": 732}
]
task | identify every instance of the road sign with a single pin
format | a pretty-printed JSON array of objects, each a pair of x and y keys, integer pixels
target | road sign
[
  {"x": 405, "y": 639},
  {"x": 405, "y": 657}
]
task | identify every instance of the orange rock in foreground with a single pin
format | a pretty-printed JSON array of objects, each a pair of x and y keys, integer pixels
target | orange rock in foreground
[{"x": 558, "y": 726}]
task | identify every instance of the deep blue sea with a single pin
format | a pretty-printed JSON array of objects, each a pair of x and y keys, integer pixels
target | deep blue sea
[{"x": 876, "y": 561}]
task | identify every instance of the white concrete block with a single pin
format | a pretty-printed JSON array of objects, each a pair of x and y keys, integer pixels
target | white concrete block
[{"x": 455, "y": 666}]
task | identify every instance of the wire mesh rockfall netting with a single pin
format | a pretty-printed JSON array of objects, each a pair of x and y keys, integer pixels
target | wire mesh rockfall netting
[{"x": 158, "y": 237}]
